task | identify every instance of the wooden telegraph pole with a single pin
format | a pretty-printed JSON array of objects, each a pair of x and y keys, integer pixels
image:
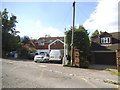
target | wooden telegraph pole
[{"x": 72, "y": 45}]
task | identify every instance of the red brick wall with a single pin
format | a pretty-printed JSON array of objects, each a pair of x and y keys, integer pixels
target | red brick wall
[{"x": 57, "y": 45}]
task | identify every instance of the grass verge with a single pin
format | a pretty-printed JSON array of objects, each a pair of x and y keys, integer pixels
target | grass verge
[
  {"x": 112, "y": 82},
  {"x": 114, "y": 71}
]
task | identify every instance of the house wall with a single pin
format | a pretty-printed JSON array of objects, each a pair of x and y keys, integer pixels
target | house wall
[{"x": 57, "y": 45}]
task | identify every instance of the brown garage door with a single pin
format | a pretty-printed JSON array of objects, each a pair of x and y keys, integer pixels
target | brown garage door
[{"x": 107, "y": 58}]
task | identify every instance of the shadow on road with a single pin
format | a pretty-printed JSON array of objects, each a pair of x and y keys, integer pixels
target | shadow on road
[
  {"x": 13, "y": 59},
  {"x": 102, "y": 67}
]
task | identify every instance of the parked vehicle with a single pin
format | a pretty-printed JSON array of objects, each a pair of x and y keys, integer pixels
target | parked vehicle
[
  {"x": 31, "y": 55},
  {"x": 41, "y": 57},
  {"x": 56, "y": 55},
  {"x": 12, "y": 54}
]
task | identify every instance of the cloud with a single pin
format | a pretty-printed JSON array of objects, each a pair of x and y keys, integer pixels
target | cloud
[
  {"x": 38, "y": 31},
  {"x": 53, "y": 32},
  {"x": 37, "y": 24},
  {"x": 77, "y": 25},
  {"x": 104, "y": 18}
]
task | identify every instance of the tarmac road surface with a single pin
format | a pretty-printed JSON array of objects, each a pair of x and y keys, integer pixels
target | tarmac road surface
[{"x": 28, "y": 74}]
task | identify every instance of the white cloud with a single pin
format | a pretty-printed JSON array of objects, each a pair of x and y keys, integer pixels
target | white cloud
[
  {"x": 105, "y": 17},
  {"x": 38, "y": 31},
  {"x": 53, "y": 32},
  {"x": 37, "y": 24},
  {"x": 77, "y": 25}
]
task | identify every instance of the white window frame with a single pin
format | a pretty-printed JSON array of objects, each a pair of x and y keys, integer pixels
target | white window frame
[{"x": 105, "y": 40}]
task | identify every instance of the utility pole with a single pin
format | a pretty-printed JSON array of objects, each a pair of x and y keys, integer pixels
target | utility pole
[{"x": 73, "y": 20}]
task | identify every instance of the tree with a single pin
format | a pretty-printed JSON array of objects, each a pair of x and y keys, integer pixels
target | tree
[
  {"x": 10, "y": 38},
  {"x": 25, "y": 40},
  {"x": 81, "y": 40},
  {"x": 96, "y": 32}
]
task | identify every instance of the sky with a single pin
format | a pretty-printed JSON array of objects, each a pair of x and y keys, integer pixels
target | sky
[{"x": 37, "y": 19}]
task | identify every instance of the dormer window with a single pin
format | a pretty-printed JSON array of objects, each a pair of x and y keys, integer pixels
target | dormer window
[
  {"x": 41, "y": 43},
  {"x": 105, "y": 40}
]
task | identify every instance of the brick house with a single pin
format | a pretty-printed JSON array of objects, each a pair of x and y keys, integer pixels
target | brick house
[
  {"x": 103, "y": 48},
  {"x": 45, "y": 44}
]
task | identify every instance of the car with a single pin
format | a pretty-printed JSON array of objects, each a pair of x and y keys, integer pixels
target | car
[
  {"x": 41, "y": 57},
  {"x": 56, "y": 55},
  {"x": 31, "y": 55},
  {"x": 12, "y": 54}
]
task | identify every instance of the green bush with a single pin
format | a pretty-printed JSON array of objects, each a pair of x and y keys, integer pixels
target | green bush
[
  {"x": 84, "y": 63},
  {"x": 23, "y": 53}
]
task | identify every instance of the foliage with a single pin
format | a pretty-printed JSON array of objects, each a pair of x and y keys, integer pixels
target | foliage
[
  {"x": 96, "y": 32},
  {"x": 80, "y": 41},
  {"x": 25, "y": 40},
  {"x": 84, "y": 63},
  {"x": 10, "y": 38},
  {"x": 23, "y": 53},
  {"x": 114, "y": 71}
]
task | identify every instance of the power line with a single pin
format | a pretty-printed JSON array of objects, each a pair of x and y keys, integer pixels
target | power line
[{"x": 82, "y": 11}]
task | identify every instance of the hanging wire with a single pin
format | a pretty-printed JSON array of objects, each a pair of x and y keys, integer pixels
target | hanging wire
[{"x": 66, "y": 17}]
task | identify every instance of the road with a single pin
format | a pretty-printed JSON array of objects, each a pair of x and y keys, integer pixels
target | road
[{"x": 28, "y": 74}]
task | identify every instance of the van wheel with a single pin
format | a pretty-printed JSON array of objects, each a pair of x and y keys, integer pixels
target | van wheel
[{"x": 60, "y": 61}]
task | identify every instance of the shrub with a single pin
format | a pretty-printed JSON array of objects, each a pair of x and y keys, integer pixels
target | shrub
[
  {"x": 84, "y": 63},
  {"x": 23, "y": 53}
]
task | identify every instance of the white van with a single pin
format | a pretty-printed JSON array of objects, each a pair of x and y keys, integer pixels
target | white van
[{"x": 56, "y": 55}]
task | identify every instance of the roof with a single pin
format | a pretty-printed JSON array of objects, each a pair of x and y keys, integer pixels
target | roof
[
  {"x": 47, "y": 41},
  {"x": 116, "y": 35},
  {"x": 105, "y": 34},
  {"x": 108, "y": 47},
  {"x": 50, "y": 39}
]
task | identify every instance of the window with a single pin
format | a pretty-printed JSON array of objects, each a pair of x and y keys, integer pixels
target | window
[
  {"x": 41, "y": 43},
  {"x": 105, "y": 40}
]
